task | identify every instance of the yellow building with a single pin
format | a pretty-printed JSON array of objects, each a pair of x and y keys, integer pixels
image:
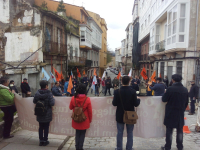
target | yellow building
[{"x": 103, "y": 52}]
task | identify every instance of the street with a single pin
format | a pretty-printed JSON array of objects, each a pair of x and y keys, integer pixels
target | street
[{"x": 191, "y": 141}]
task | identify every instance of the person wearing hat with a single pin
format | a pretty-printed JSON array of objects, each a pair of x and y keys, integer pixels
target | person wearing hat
[
  {"x": 25, "y": 88},
  {"x": 193, "y": 94},
  {"x": 159, "y": 88}
]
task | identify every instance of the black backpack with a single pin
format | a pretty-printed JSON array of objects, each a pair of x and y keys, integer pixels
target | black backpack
[{"x": 40, "y": 109}]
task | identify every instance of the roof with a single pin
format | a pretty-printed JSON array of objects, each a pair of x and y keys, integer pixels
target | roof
[{"x": 128, "y": 26}]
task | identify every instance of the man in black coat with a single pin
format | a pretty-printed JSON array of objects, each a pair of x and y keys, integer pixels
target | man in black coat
[
  {"x": 129, "y": 99},
  {"x": 176, "y": 97},
  {"x": 135, "y": 83},
  {"x": 193, "y": 94},
  {"x": 12, "y": 86},
  {"x": 108, "y": 86},
  {"x": 26, "y": 90}
]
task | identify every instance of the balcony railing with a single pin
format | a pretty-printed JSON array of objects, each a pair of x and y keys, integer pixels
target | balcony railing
[
  {"x": 55, "y": 48},
  {"x": 160, "y": 46}
]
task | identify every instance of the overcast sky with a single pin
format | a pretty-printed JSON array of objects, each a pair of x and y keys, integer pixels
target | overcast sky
[{"x": 117, "y": 13}]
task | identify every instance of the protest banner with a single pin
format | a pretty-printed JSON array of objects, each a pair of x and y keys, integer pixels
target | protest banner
[{"x": 149, "y": 124}]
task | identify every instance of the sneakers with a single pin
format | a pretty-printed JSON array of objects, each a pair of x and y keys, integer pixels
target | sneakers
[
  {"x": 8, "y": 137},
  {"x": 41, "y": 143},
  {"x": 45, "y": 143},
  {"x": 190, "y": 113}
]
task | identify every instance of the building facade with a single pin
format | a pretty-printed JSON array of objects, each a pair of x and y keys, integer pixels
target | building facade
[{"x": 172, "y": 27}]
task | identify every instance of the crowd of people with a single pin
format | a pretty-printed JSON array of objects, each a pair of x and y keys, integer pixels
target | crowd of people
[{"x": 125, "y": 98}]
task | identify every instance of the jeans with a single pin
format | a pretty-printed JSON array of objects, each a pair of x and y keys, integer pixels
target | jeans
[
  {"x": 120, "y": 131},
  {"x": 96, "y": 90},
  {"x": 43, "y": 131},
  {"x": 149, "y": 93},
  {"x": 179, "y": 138},
  {"x": 103, "y": 89},
  {"x": 79, "y": 139},
  {"x": 8, "y": 119},
  {"x": 192, "y": 105},
  {"x": 107, "y": 89}
]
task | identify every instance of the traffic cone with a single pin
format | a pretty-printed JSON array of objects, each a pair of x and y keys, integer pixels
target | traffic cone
[
  {"x": 185, "y": 127},
  {"x": 188, "y": 108}
]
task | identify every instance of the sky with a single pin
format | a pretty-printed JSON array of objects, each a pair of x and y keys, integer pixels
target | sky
[{"x": 117, "y": 13}]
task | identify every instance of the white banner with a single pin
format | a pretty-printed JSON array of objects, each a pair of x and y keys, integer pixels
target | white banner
[{"x": 149, "y": 124}]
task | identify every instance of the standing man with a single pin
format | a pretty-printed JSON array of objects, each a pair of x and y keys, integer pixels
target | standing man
[
  {"x": 108, "y": 86},
  {"x": 135, "y": 83},
  {"x": 12, "y": 86},
  {"x": 194, "y": 90},
  {"x": 176, "y": 97},
  {"x": 115, "y": 84},
  {"x": 159, "y": 88},
  {"x": 26, "y": 90},
  {"x": 126, "y": 96}
]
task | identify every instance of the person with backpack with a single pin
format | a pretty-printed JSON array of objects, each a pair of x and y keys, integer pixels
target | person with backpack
[
  {"x": 44, "y": 101},
  {"x": 82, "y": 114}
]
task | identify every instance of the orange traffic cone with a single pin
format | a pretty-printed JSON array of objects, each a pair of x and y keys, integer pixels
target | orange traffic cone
[
  {"x": 185, "y": 127},
  {"x": 188, "y": 108}
]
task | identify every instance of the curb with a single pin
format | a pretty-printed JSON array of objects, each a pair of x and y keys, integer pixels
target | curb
[{"x": 64, "y": 142}]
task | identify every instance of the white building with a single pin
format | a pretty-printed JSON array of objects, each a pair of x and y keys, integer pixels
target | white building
[
  {"x": 123, "y": 47},
  {"x": 129, "y": 40},
  {"x": 118, "y": 57},
  {"x": 171, "y": 26}
]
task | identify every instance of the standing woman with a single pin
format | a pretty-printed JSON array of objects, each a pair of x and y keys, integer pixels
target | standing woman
[
  {"x": 7, "y": 105},
  {"x": 80, "y": 99}
]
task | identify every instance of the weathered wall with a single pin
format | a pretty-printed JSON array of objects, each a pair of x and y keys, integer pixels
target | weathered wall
[
  {"x": 4, "y": 11},
  {"x": 20, "y": 45}
]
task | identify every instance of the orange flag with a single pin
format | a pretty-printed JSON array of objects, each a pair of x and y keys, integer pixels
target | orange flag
[
  {"x": 144, "y": 73},
  {"x": 119, "y": 75},
  {"x": 83, "y": 72},
  {"x": 95, "y": 72},
  {"x": 153, "y": 77},
  {"x": 57, "y": 74},
  {"x": 70, "y": 85},
  {"x": 78, "y": 73}
]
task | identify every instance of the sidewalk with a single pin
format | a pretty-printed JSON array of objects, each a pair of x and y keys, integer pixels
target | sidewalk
[{"x": 28, "y": 140}]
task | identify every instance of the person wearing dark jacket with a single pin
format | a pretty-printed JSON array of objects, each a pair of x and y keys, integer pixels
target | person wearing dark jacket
[
  {"x": 176, "y": 97},
  {"x": 115, "y": 83},
  {"x": 45, "y": 120},
  {"x": 193, "y": 94},
  {"x": 12, "y": 86},
  {"x": 128, "y": 97},
  {"x": 25, "y": 88},
  {"x": 108, "y": 86},
  {"x": 135, "y": 83},
  {"x": 166, "y": 81},
  {"x": 159, "y": 88},
  {"x": 56, "y": 91}
]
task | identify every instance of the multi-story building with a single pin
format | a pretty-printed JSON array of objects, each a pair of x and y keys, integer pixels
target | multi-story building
[
  {"x": 103, "y": 52},
  {"x": 118, "y": 58},
  {"x": 90, "y": 34},
  {"x": 123, "y": 49},
  {"x": 172, "y": 27}
]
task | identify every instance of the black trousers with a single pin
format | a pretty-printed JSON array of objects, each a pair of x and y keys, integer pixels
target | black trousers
[
  {"x": 8, "y": 119},
  {"x": 43, "y": 131},
  {"x": 192, "y": 105},
  {"x": 107, "y": 88},
  {"x": 80, "y": 137},
  {"x": 179, "y": 138}
]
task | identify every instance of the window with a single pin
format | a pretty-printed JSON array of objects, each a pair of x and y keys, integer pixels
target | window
[
  {"x": 182, "y": 22},
  {"x": 152, "y": 40},
  {"x": 157, "y": 33},
  {"x": 179, "y": 65},
  {"x": 76, "y": 52},
  {"x": 172, "y": 25},
  {"x": 71, "y": 53},
  {"x": 82, "y": 35}
]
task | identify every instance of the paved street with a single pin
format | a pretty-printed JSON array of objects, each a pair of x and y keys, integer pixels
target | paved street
[{"x": 191, "y": 141}]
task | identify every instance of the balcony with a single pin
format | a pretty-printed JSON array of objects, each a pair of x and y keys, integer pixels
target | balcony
[
  {"x": 160, "y": 47},
  {"x": 55, "y": 48},
  {"x": 85, "y": 39}
]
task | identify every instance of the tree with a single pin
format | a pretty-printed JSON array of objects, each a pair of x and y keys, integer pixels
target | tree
[
  {"x": 109, "y": 54},
  {"x": 61, "y": 7},
  {"x": 44, "y": 5}
]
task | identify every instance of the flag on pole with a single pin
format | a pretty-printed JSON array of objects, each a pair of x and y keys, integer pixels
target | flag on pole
[
  {"x": 144, "y": 73},
  {"x": 95, "y": 72},
  {"x": 94, "y": 82},
  {"x": 119, "y": 75},
  {"x": 83, "y": 72},
  {"x": 45, "y": 75},
  {"x": 52, "y": 77},
  {"x": 78, "y": 73},
  {"x": 104, "y": 75},
  {"x": 153, "y": 77},
  {"x": 71, "y": 74},
  {"x": 130, "y": 73},
  {"x": 70, "y": 85},
  {"x": 58, "y": 75}
]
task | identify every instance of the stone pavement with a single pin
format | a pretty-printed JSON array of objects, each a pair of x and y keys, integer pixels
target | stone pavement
[
  {"x": 191, "y": 141},
  {"x": 28, "y": 140}
]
